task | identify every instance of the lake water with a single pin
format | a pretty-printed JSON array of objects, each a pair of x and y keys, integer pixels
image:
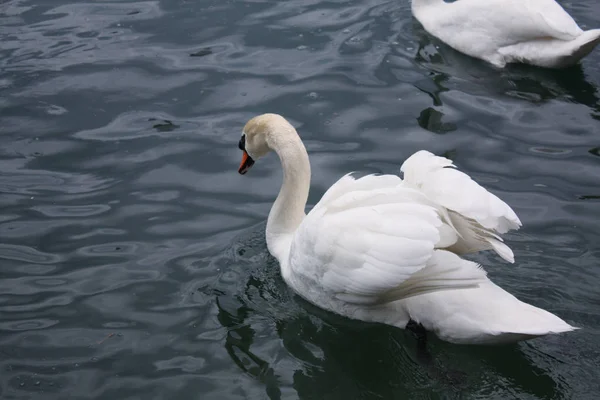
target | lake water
[{"x": 133, "y": 263}]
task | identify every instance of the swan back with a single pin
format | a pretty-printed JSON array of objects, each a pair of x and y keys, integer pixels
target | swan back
[
  {"x": 538, "y": 32},
  {"x": 372, "y": 241}
]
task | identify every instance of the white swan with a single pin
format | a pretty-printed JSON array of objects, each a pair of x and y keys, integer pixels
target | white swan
[
  {"x": 537, "y": 32},
  {"x": 384, "y": 249}
]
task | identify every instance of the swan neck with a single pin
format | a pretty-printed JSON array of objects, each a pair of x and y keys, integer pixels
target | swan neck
[{"x": 288, "y": 211}]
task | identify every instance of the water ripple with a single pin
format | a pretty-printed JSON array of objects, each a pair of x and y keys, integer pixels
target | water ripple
[
  {"x": 134, "y": 258},
  {"x": 27, "y": 254}
]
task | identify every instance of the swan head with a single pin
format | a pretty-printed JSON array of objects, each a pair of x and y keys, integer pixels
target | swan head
[{"x": 259, "y": 137}]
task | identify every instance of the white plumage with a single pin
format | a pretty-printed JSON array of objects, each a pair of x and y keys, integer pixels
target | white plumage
[
  {"x": 537, "y": 32},
  {"x": 384, "y": 249},
  {"x": 477, "y": 215},
  {"x": 375, "y": 242}
]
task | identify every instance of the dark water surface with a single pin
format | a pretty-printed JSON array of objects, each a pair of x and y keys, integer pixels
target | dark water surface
[{"x": 132, "y": 257}]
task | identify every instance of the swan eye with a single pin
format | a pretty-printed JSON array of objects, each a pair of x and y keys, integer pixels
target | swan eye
[{"x": 242, "y": 143}]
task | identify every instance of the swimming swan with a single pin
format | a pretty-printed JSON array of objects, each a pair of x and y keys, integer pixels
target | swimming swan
[
  {"x": 537, "y": 32},
  {"x": 386, "y": 250}
]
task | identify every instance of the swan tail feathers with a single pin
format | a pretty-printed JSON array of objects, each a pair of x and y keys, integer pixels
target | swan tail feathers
[
  {"x": 485, "y": 315},
  {"x": 585, "y": 43},
  {"x": 553, "y": 52},
  {"x": 535, "y": 323}
]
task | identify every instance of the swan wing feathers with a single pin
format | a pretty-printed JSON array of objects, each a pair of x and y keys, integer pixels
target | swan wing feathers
[
  {"x": 476, "y": 214},
  {"x": 371, "y": 241},
  {"x": 441, "y": 182},
  {"x": 516, "y": 21}
]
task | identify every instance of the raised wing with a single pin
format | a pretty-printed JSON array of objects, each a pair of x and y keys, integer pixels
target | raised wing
[
  {"x": 372, "y": 240},
  {"x": 476, "y": 214}
]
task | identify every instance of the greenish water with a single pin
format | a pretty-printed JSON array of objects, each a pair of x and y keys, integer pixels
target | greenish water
[{"x": 132, "y": 258}]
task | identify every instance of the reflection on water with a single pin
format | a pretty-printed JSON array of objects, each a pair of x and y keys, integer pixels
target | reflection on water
[
  {"x": 519, "y": 81},
  {"x": 133, "y": 258}
]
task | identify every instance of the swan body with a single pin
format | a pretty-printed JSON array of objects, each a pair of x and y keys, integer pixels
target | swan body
[
  {"x": 384, "y": 249},
  {"x": 537, "y": 32}
]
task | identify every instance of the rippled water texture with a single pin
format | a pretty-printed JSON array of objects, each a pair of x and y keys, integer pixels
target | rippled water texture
[{"x": 132, "y": 257}]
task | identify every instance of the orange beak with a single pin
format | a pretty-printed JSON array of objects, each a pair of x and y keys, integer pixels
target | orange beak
[{"x": 246, "y": 163}]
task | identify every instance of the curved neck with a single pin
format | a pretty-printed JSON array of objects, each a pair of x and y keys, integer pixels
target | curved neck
[{"x": 288, "y": 210}]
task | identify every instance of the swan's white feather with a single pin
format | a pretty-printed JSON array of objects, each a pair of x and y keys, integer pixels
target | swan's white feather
[
  {"x": 539, "y": 32},
  {"x": 372, "y": 239},
  {"x": 485, "y": 315},
  {"x": 440, "y": 181},
  {"x": 477, "y": 215},
  {"x": 559, "y": 24}
]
